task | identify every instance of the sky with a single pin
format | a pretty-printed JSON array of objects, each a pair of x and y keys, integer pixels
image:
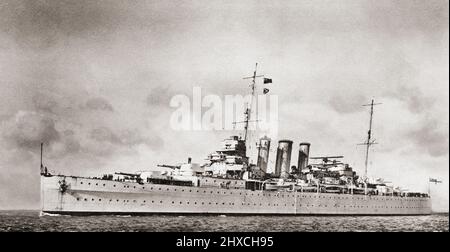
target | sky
[{"x": 94, "y": 80}]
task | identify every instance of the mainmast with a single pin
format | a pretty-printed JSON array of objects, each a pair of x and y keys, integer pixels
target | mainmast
[{"x": 369, "y": 140}]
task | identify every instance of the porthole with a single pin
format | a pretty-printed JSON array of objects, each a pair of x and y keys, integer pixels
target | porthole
[
  {"x": 104, "y": 184},
  {"x": 96, "y": 184},
  {"x": 114, "y": 185},
  {"x": 85, "y": 199},
  {"x": 160, "y": 201},
  {"x": 81, "y": 182}
]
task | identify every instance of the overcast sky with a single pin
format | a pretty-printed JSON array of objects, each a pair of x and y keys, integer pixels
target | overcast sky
[{"x": 93, "y": 79}]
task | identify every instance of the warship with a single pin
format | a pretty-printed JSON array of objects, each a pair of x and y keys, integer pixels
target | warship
[{"x": 229, "y": 183}]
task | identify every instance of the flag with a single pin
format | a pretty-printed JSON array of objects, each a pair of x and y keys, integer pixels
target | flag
[
  {"x": 435, "y": 180},
  {"x": 266, "y": 80},
  {"x": 266, "y": 90}
]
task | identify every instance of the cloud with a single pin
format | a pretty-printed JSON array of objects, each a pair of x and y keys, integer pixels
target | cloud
[
  {"x": 430, "y": 138},
  {"x": 134, "y": 137},
  {"x": 159, "y": 96},
  {"x": 413, "y": 97},
  {"x": 26, "y": 130},
  {"x": 127, "y": 138},
  {"x": 44, "y": 103},
  {"x": 347, "y": 104},
  {"x": 99, "y": 104},
  {"x": 42, "y": 24},
  {"x": 105, "y": 134}
]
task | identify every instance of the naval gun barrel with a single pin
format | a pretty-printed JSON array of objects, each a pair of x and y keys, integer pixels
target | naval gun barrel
[
  {"x": 127, "y": 174},
  {"x": 170, "y": 166}
]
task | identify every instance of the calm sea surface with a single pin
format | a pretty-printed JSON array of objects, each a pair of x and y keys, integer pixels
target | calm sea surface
[{"x": 30, "y": 221}]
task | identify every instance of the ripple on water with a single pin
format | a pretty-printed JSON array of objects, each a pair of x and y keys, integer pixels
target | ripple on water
[{"x": 30, "y": 221}]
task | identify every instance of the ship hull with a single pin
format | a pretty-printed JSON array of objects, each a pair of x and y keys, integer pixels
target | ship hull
[{"x": 87, "y": 196}]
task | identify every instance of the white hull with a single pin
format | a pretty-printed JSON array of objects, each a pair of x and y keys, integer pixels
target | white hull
[{"x": 95, "y": 196}]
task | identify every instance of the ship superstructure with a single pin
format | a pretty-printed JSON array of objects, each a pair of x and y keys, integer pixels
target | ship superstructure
[{"x": 228, "y": 183}]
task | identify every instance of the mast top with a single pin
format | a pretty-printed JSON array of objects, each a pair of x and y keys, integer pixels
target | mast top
[{"x": 369, "y": 142}]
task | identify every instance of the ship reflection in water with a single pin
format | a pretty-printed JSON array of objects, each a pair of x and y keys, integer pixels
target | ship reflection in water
[{"x": 30, "y": 221}]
